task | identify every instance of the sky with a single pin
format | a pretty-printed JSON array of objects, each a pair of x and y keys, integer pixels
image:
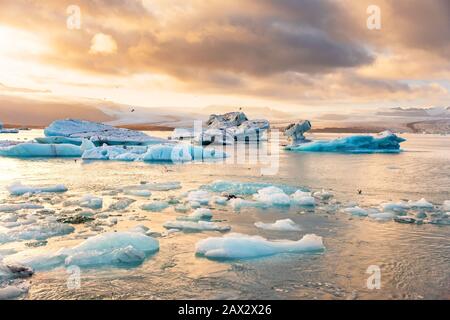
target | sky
[{"x": 291, "y": 55}]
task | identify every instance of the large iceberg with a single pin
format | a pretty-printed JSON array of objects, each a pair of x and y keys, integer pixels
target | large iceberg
[
  {"x": 295, "y": 131},
  {"x": 98, "y": 133},
  {"x": 241, "y": 246},
  {"x": 384, "y": 142}
]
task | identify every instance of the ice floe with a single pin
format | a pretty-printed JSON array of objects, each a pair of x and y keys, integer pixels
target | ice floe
[
  {"x": 241, "y": 246},
  {"x": 279, "y": 225},
  {"x": 201, "y": 196},
  {"x": 19, "y": 206},
  {"x": 33, "y": 230},
  {"x": 356, "y": 211},
  {"x": 385, "y": 142},
  {"x": 244, "y": 188},
  {"x": 195, "y": 226},
  {"x": 91, "y": 202},
  {"x": 272, "y": 196},
  {"x": 18, "y": 189}
]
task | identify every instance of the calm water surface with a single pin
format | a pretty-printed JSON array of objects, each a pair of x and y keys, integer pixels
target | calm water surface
[{"x": 414, "y": 259}]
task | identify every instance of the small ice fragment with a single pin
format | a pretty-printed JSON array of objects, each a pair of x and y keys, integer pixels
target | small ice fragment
[
  {"x": 156, "y": 206},
  {"x": 92, "y": 202},
  {"x": 272, "y": 196},
  {"x": 241, "y": 246},
  {"x": 199, "y": 196},
  {"x": 302, "y": 198},
  {"x": 190, "y": 226},
  {"x": 356, "y": 211},
  {"x": 197, "y": 215},
  {"x": 279, "y": 225},
  {"x": 323, "y": 195},
  {"x": 121, "y": 204},
  {"x": 18, "y": 189},
  {"x": 10, "y": 292},
  {"x": 19, "y": 206},
  {"x": 421, "y": 204},
  {"x": 382, "y": 216},
  {"x": 220, "y": 200},
  {"x": 395, "y": 207}
]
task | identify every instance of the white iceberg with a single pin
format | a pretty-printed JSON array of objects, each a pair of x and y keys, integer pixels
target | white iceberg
[
  {"x": 99, "y": 133},
  {"x": 191, "y": 226},
  {"x": 18, "y": 189},
  {"x": 420, "y": 204},
  {"x": 279, "y": 225},
  {"x": 36, "y": 150},
  {"x": 399, "y": 207},
  {"x": 323, "y": 195},
  {"x": 385, "y": 142},
  {"x": 295, "y": 131},
  {"x": 241, "y": 246},
  {"x": 302, "y": 198}
]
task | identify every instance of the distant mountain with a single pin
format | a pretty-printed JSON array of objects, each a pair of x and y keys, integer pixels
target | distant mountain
[{"x": 443, "y": 112}]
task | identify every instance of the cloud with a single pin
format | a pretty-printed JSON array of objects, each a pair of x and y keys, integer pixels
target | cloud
[{"x": 103, "y": 44}]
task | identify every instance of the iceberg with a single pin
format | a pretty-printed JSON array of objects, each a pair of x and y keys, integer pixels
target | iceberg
[
  {"x": 304, "y": 199},
  {"x": 99, "y": 133},
  {"x": 420, "y": 204},
  {"x": 241, "y": 246},
  {"x": 121, "y": 204},
  {"x": 18, "y": 189},
  {"x": 356, "y": 211},
  {"x": 201, "y": 196},
  {"x": 385, "y": 142},
  {"x": 279, "y": 225},
  {"x": 91, "y": 202},
  {"x": 295, "y": 131},
  {"x": 239, "y": 203},
  {"x": 272, "y": 196},
  {"x": 35, "y": 150},
  {"x": 33, "y": 231},
  {"x": 191, "y": 226}
]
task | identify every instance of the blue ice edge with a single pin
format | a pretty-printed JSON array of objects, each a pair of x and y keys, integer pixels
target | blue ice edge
[{"x": 384, "y": 142}]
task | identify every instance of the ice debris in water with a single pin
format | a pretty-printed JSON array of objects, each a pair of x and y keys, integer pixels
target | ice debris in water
[
  {"x": 197, "y": 215},
  {"x": 18, "y": 189},
  {"x": 91, "y": 202},
  {"x": 191, "y": 226},
  {"x": 99, "y": 133},
  {"x": 201, "y": 196},
  {"x": 323, "y": 195},
  {"x": 244, "y": 188},
  {"x": 19, "y": 206},
  {"x": 272, "y": 196},
  {"x": 421, "y": 204},
  {"x": 384, "y": 142},
  {"x": 33, "y": 230},
  {"x": 155, "y": 186},
  {"x": 11, "y": 292},
  {"x": 121, "y": 204},
  {"x": 37, "y": 150},
  {"x": 382, "y": 216},
  {"x": 114, "y": 248},
  {"x": 356, "y": 211},
  {"x": 302, "y": 198},
  {"x": 241, "y": 246},
  {"x": 279, "y": 225},
  {"x": 155, "y": 206}
]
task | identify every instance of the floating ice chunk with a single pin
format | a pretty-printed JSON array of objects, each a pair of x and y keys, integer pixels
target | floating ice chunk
[
  {"x": 30, "y": 150},
  {"x": 302, "y": 198},
  {"x": 10, "y": 292},
  {"x": 241, "y": 246},
  {"x": 407, "y": 219},
  {"x": 180, "y": 153},
  {"x": 197, "y": 215},
  {"x": 356, "y": 211},
  {"x": 19, "y": 206},
  {"x": 99, "y": 133},
  {"x": 156, "y": 186},
  {"x": 244, "y": 188},
  {"x": 18, "y": 189},
  {"x": 138, "y": 193},
  {"x": 220, "y": 200},
  {"x": 238, "y": 203},
  {"x": 421, "y": 204},
  {"x": 323, "y": 195},
  {"x": 156, "y": 206},
  {"x": 385, "y": 142},
  {"x": 382, "y": 216},
  {"x": 190, "y": 226},
  {"x": 91, "y": 202},
  {"x": 201, "y": 196},
  {"x": 182, "y": 208},
  {"x": 33, "y": 231},
  {"x": 121, "y": 204},
  {"x": 279, "y": 225},
  {"x": 399, "y": 207},
  {"x": 272, "y": 196},
  {"x": 446, "y": 205},
  {"x": 36, "y": 260}
]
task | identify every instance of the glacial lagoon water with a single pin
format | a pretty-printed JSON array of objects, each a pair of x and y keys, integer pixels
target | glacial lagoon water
[{"x": 414, "y": 259}]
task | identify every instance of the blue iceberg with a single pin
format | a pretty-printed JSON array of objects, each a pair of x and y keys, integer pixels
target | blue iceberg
[
  {"x": 30, "y": 150},
  {"x": 384, "y": 142}
]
